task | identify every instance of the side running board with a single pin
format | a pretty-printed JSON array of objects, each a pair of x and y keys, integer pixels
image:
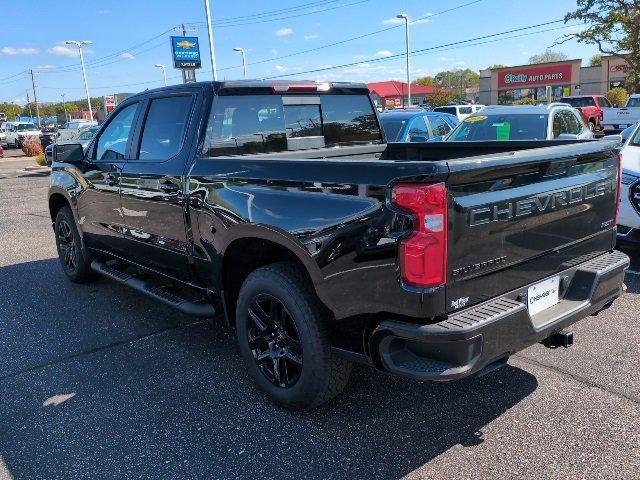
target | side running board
[{"x": 189, "y": 307}]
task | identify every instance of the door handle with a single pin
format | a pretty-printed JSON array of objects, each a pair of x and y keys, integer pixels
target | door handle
[
  {"x": 112, "y": 180},
  {"x": 169, "y": 187}
]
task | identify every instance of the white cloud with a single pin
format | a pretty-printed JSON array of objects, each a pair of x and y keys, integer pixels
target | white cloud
[
  {"x": 359, "y": 57},
  {"x": 44, "y": 67},
  {"x": 104, "y": 12},
  {"x": 127, "y": 56},
  {"x": 65, "y": 51},
  {"x": 383, "y": 53},
  {"x": 10, "y": 51},
  {"x": 392, "y": 21},
  {"x": 280, "y": 68},
  {"x": 274, "y": 52},
  {"x": 398, "y": 21},
  {"x": 284, "y": 32},
  {"x": 309, "y": 37}
]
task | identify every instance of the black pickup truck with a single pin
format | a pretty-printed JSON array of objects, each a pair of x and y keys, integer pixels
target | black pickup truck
[{"x": 280, "y": 206}]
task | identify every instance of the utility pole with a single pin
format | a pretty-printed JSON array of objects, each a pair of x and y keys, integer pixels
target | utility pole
[
  {"x": 35, "y": 98},
  {"x": 29, "y": 105},
  {"x": 64, "y": 105},
  {"x": 214, "y": 71}
]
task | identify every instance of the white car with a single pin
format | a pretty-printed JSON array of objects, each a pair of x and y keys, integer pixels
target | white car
[
  {"x": 460, "y": 111},
  {"x": 72, "y": 129},
  {"x": 3, "y": 135},
  {"x": 17, "y": 132},
  {"x": 629, "y": 209}
]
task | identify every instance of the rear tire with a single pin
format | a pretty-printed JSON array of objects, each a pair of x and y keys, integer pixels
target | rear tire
[
  {"x": 70, "y": 250},
  {"x": 281, "y": 327}
]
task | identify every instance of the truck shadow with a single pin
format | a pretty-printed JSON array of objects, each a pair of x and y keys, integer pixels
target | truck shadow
[{"x": 110, "y": 385}]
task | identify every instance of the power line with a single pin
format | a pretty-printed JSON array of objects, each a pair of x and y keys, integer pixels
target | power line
[
  {"x": 365, "y": 35},
  {"x": 416, "y": 52},
  {"x": 283, "y": 18}
]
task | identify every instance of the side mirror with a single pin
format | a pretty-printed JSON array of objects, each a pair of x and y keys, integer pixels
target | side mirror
[{"x": 68, "y": 153}]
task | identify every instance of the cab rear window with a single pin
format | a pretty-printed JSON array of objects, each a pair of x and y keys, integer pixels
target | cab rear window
[{"x": 245, "y": 124}]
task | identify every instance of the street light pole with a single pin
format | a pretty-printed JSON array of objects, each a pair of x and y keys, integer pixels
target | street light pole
[
  {"x": 405, "y": 17},
  {"x": 244, "y": 60},
  {"x": 164, "y": 72},
  {"x": 84, "y": 73},
  {"x": 214, "y": 70}
]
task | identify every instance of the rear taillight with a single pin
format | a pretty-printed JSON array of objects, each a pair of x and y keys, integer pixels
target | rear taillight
[
  {"x": 619, "y": 187},
  {"x": 423, "y": 254}
]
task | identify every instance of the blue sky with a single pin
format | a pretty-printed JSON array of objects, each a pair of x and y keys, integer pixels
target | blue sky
[{"x": 130, "y": 37}]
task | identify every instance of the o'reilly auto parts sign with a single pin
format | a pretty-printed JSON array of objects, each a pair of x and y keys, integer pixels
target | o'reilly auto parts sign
[{"x": 534, "y": 76}]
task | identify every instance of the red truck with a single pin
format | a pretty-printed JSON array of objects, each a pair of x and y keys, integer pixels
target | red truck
[{"x": 590, "y": 107}]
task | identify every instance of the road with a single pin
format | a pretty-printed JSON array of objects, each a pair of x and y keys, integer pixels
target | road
[{"x": 97, "y": 381}]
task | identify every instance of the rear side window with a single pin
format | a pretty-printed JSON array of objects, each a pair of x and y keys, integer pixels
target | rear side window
[
  {"x": 635, "y": 140},
  {"x": 579, "y": 101},
  {"x": 245, "y": 124},
  {"x": 165, "y": 127},
  {"x": 633, "y": 102},
  {"x": 466, "y": 110},
  {"x": 439, "y": 127}
]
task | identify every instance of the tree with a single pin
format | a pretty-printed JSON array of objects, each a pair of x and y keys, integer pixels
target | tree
[
  {"x": 611, "y": 25},
  {"x": 496, "y": 66},
  {"x": 439, "y": 98},
  {"x": 595, "y": 60},
  {"x": 425, "y": 81},
  {"x": 618, "y": 96},
  {"x": 548, "y": 56},
  {"x": 11, "y": 109}
]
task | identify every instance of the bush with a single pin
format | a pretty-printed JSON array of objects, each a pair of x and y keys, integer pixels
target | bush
[
  {"x": 618, "y": 96},
  {"x": 32, "y": 146},
  {"x": 40, "y": 160},
  {"x": 525, "y": 101}
]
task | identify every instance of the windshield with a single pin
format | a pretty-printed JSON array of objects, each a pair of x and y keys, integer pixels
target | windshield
[
  {"x": 449, "y": 110},
  {"x": 633, "y": 102},
  {"x": 635, "y": 140},
  {"x": 87, "y": 134},
  {"x": 511, "y": 126},
  {"x": 393, "y": 128},
  {"x": 21, "y": 127},
  {"x": 579, "y": 101}
]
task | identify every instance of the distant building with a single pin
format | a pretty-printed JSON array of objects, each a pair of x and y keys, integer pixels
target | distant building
[
  {"x": 393, "y": 94},
  {"x": 547, "y": 82}
]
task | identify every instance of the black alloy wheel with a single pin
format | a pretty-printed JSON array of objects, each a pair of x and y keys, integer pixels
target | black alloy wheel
[
  {"x": 274, "y": 340},
  {"x": 67, "y": 246}
]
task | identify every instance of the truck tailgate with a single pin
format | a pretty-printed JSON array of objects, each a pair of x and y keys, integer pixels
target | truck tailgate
[{"x": 521, "y": 216}]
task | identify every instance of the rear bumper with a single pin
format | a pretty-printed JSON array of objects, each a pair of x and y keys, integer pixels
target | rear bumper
[{"x": 479, "y": 338}]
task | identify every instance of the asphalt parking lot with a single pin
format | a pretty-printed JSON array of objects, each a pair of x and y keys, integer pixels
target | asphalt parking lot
[{"x": 97, "y": 381}]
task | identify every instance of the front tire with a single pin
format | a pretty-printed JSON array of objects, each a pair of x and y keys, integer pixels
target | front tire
[
  {"x": 70, "y": 249},
  {"x": 284, "y": 340}
]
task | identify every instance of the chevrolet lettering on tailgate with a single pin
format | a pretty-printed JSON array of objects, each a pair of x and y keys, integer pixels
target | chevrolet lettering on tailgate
[{"x": 539, "y": 204}]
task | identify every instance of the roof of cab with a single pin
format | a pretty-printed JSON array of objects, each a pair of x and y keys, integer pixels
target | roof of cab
[{"x": 275, "y": 86}]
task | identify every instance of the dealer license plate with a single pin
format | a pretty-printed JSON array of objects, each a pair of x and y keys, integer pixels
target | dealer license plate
[{"x": 543, "y": 295}]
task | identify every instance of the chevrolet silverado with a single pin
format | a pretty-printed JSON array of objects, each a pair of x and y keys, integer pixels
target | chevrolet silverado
[{"x": 279, "y": 206}]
